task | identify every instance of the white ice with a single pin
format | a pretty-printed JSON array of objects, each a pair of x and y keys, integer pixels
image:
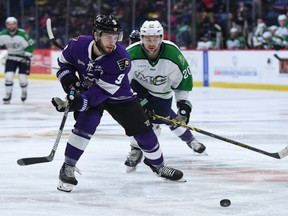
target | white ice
[{"x": 255, "y": 183}]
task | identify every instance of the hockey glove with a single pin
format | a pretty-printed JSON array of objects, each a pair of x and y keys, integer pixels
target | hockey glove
[
  {"x": 184, "y": 110},
  {"x": 59, "y": 104},
  {"x": 28, "y": 66},
  {"x": 27, "y": 61},
  {"x": 148, "y": 109},
  {"x": 78, "y": 102},
  {"x": 68, "y": 80}
]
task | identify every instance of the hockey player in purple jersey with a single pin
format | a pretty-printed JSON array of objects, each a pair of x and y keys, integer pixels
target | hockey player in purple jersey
[{"x": 97, "y": 67}]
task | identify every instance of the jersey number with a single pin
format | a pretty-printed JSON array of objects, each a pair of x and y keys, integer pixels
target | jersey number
[
  {"x": 186, "y": 72},
  {"x": 119, "y": 79}
]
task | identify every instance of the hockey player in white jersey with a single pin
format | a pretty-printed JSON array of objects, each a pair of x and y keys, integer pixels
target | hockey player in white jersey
[
  {"x": 159, "y": 71},
  {"x": 20, "y": 47}
]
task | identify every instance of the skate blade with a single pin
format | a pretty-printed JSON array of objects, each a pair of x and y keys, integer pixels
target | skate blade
[
  {"x": 130, "y": 169},
  {"x": 66, "y": 187},
  {"x": 204, "y": 153},
  {"x": 166, "y": 179},
  {"x": 182, "y": 180}
]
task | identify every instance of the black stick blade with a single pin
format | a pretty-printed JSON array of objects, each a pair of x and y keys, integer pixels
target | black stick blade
[{"x": 35, "y": 160}]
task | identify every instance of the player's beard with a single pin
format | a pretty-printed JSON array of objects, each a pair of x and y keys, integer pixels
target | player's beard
[
  {"x": 152, "y": 54},
  {"x": 12, "y": 31},
  {"x": 104, "y": 50}
]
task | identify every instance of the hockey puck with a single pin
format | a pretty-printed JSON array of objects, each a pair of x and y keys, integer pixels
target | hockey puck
[{"x": 225, "y": 202}]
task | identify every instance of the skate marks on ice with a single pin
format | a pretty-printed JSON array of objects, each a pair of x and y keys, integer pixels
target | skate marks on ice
[{"x": 255, "y": 184}]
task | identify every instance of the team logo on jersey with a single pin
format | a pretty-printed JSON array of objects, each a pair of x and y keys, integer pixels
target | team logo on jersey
[
  {"x": 123, "y": 64},
  {"x": 181, "y": 59},
  {"x": 157, "y": 80},
  {"x": 88, "y": 81},
  {"x": 90, "y": 66},
  {"x": 80, "y": 62}
]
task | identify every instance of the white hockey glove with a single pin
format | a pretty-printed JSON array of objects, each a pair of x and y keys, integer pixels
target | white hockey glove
[
  {"x": 59, "y": 104},
  {"x": 184, "y": 110}
]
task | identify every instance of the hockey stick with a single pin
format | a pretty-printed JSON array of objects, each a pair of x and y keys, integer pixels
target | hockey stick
[
  {"x": 50, "y": 157},
  {"x": 277, "y": 57},
  {"x": 278, "y": 155},
  {"x": 32, "y": 63},
  {"x": 44, "y": 66},
  {"x": 20, "y": 56},
  {"x": 51, "y": 35}
]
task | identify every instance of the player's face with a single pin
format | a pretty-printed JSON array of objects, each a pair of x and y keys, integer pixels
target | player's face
[
  {"x": 282, "y": 22},
  {"x": 107, "y": 42},
  {"x": 151, "y": 43},
  {"x": 11, "y": 26}
]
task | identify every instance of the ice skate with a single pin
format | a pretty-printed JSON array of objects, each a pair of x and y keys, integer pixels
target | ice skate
[
  {"x": 167, "y": 172},
  {"x": 67, "y": 178},
  {"x": 133, "y": 159},
  {"x": 23, "y": 96},
  {"x": 197, "y": 147},
  {"x": 7, "y": 99}
]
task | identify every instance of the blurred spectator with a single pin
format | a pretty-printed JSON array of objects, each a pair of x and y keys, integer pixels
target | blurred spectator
[
  {"x": 269, "y": 42},
  {"x": 282, "y": 30},
  {"x": 257, "y": 38},
  {"x": 278, "y": 41},
  {"x": 242, "y": 18},
  {"x": 236, "y": 40},
  {"x": 208, "y": 24},
  {"x": 214, "y": 17},
  {"x": 206, "y": 43},
  {"x": 184, "y": 36}
]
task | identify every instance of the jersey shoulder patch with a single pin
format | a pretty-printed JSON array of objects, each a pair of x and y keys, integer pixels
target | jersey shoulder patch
[{"x": 123, "y": 63}]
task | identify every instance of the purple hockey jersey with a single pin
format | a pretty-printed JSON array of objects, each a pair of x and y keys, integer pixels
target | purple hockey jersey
[{"x": 105, "y": 78}]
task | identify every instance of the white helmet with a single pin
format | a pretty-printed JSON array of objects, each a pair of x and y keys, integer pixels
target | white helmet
[
  {"x": 151, "y": 28},
  {"x": 282, "y": 17},
  {"x": 11, "y": 19}
]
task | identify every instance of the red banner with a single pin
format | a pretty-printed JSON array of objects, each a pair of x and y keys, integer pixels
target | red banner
[{"x": 41, "y": 62}]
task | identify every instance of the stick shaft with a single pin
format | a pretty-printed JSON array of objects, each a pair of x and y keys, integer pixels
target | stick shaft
[
  {"x": 50, "y": 157},
  {"x": 277, "y": 155},
  {"x": 51, "y": 35}
]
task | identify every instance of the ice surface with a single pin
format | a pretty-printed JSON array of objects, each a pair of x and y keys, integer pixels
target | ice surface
[{"x": 256, "y": 184}]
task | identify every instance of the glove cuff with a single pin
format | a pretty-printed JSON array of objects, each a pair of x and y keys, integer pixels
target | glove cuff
[
  {"x": 184, "y": 105},
  {"x": 68, "y": 79},
  {"x": 84, "y": 103},
  {"x": 62, "y": 73}
]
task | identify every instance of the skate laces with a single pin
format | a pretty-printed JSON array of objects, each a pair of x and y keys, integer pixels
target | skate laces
[
  {"x": 196, "y": 145},
  {"x": 78, "y": 171},
  {"x": 134, "y": 154},
  {"x": 69, "y": 171},
  {"x": 166, "y": 171}
]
